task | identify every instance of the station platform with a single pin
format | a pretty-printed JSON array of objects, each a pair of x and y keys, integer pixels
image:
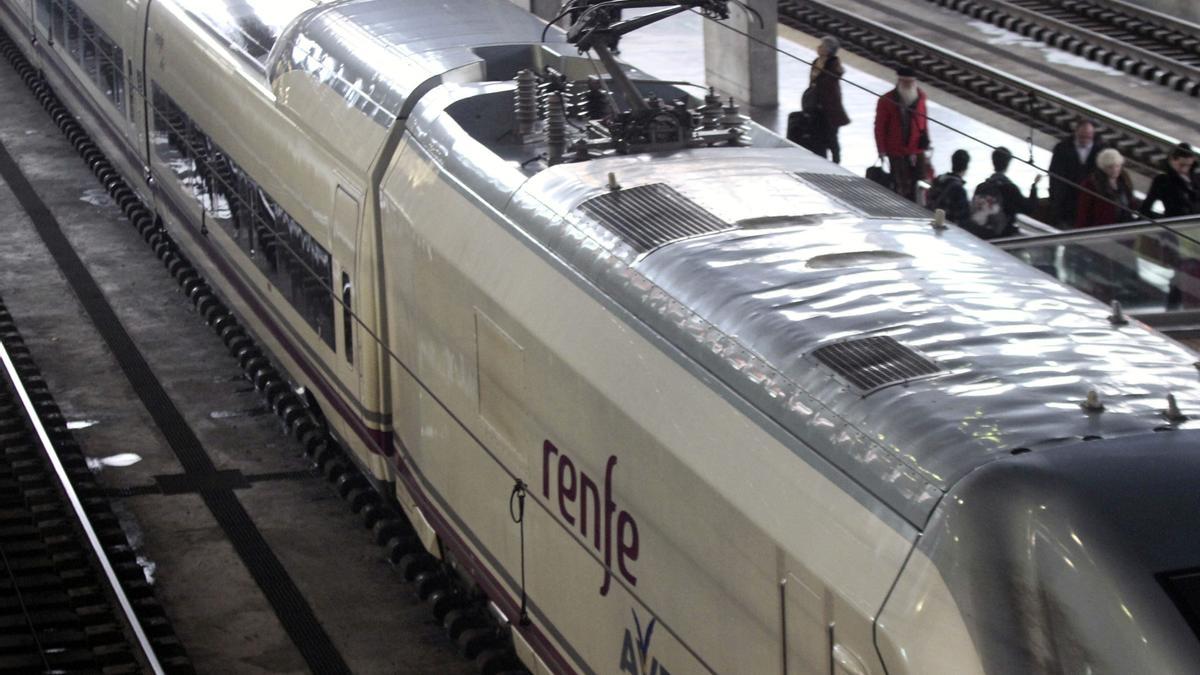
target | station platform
[{"x": 673, "y": 49}]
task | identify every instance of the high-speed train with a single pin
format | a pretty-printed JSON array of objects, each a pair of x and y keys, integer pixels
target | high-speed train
[{"x": 769, "y": 418}]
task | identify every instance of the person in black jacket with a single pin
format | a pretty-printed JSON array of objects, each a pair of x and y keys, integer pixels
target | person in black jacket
[
  {"x": 1012, "y": 200},
  {"x": 1176, "y": 187},
  {"x": 1179, "y": 193},
  {"x": 1072, "y": 161},
  {"x": 949, "y": 191}
]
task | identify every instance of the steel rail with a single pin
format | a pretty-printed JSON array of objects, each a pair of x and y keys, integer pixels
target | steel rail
[
  {"x": 1017, "y": 98},
  {"x": 1157, "y": 59},
  {"x": 1148, "y": 15},
  {"x": 97, "y": 548}
]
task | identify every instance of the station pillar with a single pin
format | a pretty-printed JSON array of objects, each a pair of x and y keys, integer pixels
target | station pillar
[
  {"x": 745, "y": 67},
  {"x": 545, "y": 9}
]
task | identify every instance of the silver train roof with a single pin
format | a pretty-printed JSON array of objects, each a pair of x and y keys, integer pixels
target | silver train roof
[
  {"x": 248, "y": 27},
  {"x": 383, "y": 54}
]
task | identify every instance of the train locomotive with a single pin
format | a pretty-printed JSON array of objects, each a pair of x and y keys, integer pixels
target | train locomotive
[{"x": 765, "y": 416}]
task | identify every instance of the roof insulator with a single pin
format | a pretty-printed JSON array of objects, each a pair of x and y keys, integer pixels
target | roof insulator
[
  {"x": 939, "y": 219},
  {"x": 1092, "y": 403},
  {"x": 1117, "y": 318},
  {"x": 613, "y": 185},
  {"x": 1173, "y": 413}
]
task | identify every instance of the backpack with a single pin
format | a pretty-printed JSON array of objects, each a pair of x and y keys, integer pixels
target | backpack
[
  {"x": 938, "y": 195},
  {"x": 988, "y": 220},
  {"x": 880, "y": 175},
  {"x": 808, "y": 100}
]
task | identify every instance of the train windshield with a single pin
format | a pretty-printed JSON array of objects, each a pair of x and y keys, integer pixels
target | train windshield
[{"x": 1184, "y": 589}]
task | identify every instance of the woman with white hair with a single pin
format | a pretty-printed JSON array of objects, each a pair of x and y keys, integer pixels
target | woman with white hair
[{"x": 1106, "y": 196}]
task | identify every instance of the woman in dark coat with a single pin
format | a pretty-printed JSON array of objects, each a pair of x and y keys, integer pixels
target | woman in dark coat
[
  {"x": 824, "y": 99},
  {"x": 1176, "y": 187},
  {"x": 1106, "y": 196}
]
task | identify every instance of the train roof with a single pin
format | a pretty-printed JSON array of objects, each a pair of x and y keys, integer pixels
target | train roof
[
  {"x": 248, "y": 27},
  {"x": 382, "y": 54}
]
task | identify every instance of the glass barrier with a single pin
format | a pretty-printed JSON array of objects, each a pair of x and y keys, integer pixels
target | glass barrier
[{"x": 1147, "y": 268}]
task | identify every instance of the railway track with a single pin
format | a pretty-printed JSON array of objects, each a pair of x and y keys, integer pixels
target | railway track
[
  {"x": 65, "y": 606},
  {"x": 1039, "y": 108},
  {"x": 1141, "y": 42}
]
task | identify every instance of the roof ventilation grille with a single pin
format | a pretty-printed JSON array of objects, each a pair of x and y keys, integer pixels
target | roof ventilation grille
[
  {"x": 867, "y": 197},
  {"x": 648, "y": 216},
  {"x": 874, "y": 362}
]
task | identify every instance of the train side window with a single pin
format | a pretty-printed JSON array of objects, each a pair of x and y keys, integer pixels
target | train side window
[
  {"x": 311, "y": 273},
  {"x": 88, "y": 46},
  {"x": 266, "y": 234},
  {"x": 348, "y": 318},
  {"x": 129, "y": 80},
  {"x": 43, "y": 15},
  {"x": 112, "y": 78},
  {"x": 58, "y": 26},
  {"x": 98, "y": 55},
  {"x": 73, "y": 47},
  {"x": 288, "y": 256}
]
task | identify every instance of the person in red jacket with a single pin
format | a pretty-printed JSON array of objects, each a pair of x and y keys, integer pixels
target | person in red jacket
[{"x": 902, "y": 131}]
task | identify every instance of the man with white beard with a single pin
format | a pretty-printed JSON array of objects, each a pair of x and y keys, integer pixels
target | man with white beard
[{"x": 902, "y": 131}]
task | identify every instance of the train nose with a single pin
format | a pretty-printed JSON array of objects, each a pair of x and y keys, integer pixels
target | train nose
[{"x": 1073, "y": 559}]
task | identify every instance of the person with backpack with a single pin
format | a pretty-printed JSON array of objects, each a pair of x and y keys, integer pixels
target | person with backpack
[
  {"x": 1007, "y": 197},
  {"x": 949, "y": 191}
]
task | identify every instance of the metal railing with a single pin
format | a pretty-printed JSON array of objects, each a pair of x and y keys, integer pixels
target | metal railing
[
  {"x": 1189, "y": 225},
  {"x": 1151, "y": 267}
]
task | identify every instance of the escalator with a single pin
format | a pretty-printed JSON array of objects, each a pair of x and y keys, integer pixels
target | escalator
[{"x": 1151, "y": 269}]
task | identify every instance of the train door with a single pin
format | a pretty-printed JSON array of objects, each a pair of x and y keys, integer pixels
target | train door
[
  {"x": 356, "y": 337},
  {"x": 139, "y": 87},
  {"x": 346, "y": 329},
  {"x": 807, "y": 631}
]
